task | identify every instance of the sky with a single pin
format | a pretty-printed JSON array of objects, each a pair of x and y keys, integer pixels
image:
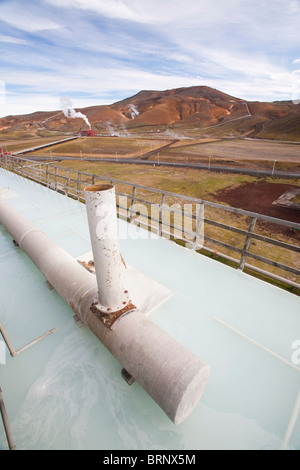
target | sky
[{"x": 101, "y": 51}]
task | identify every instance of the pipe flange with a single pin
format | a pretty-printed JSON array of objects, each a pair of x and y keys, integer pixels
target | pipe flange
[
  {"x": 110, "y": 318},
  {"x": 105, "y": 309}
]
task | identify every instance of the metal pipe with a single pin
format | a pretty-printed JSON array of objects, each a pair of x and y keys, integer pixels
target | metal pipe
[
  {"x": 6, "y": 424},
  {"x": 292, "y": 423},
  {"x": 10, "y": 347},
  {"x": 7, "y": 341},
  {"x": 172, "y": 375},
  {"x": 102, "y": 218},
  {"x": 36, "y": 340}
]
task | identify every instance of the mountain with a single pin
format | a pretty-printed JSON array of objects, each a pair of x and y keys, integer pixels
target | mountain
[{"x": 198, "y": 107}]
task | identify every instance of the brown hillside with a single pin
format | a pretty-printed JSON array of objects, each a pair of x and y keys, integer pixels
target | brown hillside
[{"x": 199, "y": 107}]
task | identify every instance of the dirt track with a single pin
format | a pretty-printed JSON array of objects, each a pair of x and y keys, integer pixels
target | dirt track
[{"x": 258, "y": 197}]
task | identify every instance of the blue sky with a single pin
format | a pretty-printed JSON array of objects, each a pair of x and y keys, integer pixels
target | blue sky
[{"x": 101, "y": 51}]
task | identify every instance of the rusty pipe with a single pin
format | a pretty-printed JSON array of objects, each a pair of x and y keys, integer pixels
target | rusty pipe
[{"x": 172, "y": 375}]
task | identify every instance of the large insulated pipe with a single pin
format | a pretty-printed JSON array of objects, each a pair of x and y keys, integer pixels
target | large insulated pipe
[{"x": 172, "y": 375}]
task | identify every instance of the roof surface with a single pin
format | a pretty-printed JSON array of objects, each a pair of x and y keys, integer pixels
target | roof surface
[{"x": 66, "y": 391}]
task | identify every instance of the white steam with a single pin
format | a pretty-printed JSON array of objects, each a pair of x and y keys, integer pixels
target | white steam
[
  {"x": 121, "y": 132},
  {"x": 133, "y": 111},
  {"x": 69, "y": 111}
]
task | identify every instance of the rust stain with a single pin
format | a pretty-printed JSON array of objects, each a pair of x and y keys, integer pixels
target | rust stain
[
  {"x": 88, "y": 265},
  {"x": 109, "y": 319},
  {"x": 122, "y": 259}
]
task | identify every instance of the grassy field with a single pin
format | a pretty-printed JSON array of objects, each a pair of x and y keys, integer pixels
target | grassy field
[
  {"x": 109, "y": 147},
  {"x": 195, "y": 183},
  {"x": 190, "y": 182},
  {"x": 16, "y": 144},
  {"x": 236, "y": 152},
  {"x": 229, "y": 152},
  {"x": 203, "y": 185}
]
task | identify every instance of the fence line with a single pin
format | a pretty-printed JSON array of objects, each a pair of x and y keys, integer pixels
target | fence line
[{"x": 166, "y": 220}]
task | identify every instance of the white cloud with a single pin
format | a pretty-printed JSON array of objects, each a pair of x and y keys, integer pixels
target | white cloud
[
  {"x": 112, "y": 8},
  {"x": 2, "y": 95},
  {"x": 94, "y": 80},
  {"x": 25, "y": 104},
  {"x": 157, "y": 11},
  {"x": 100, "y": 85},
  {"x": 25, "y": 19},
  {"x": 82, "y": 48},
  {"x": 13, "y": 40}
]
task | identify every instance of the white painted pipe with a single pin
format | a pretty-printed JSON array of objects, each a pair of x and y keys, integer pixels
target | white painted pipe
[
  {"x": 102, "y": 218},
  {"x": 172, "y": 375}
]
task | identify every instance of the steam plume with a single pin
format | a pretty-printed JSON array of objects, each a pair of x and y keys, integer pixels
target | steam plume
[
  {"x": 69, "y": 111},
  {"x": 134, "y": 111}
]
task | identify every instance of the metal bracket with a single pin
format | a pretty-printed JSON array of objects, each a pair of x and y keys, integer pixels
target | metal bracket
[
  {"x": 78, "y": 321},
  {"x": 127, "y": 377},
  {"x": 49, "y": 285}
]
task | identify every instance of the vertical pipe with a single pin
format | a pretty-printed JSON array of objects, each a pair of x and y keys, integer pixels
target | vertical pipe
[
  {"x": 102, "y": 218},
  {"x": 6, "y": 424}
]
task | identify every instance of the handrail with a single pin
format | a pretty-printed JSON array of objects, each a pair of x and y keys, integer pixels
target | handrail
[
  {"x": 171, "y": 194},
  {"x": 72, "y": 183}
]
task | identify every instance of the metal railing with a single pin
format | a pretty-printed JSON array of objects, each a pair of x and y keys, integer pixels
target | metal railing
[{"x": 249, "y": 241}]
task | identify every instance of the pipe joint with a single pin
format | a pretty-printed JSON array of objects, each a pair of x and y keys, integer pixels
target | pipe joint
[{"x": 111, "y": 318}]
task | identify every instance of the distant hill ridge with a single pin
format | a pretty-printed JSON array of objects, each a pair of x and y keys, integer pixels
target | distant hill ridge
[{"x": 198, "y": 106}]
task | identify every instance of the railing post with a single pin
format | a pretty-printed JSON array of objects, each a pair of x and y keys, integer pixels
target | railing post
[
  {"x": 161, "y": 210},
  {"x": 78, "y": 184},
  {"x": 47, "y": 175},
  {"x": 199, "y": 226},
  {"x": 247, "y": 244},
  {"x": 55, "y": 178},
  {"x": 66, "y": 180},
  {"x": 132, "y": 202}
]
